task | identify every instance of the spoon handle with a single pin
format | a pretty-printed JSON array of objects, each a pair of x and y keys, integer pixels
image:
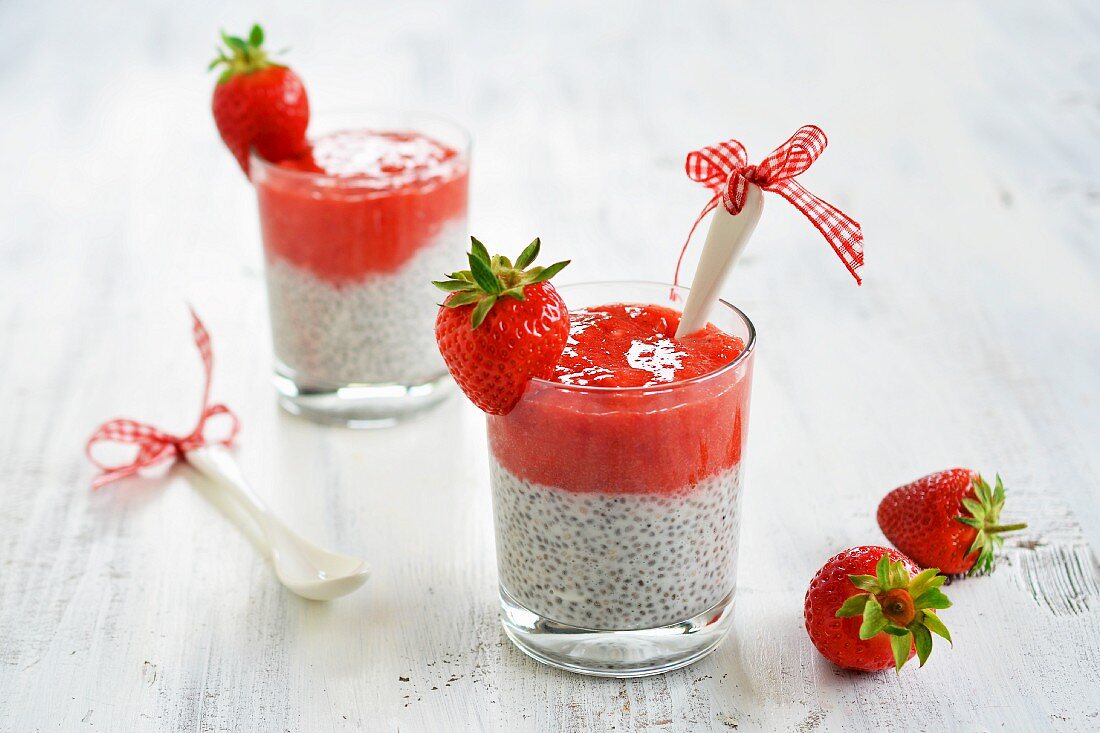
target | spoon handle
[
  {"x": 726, "y": 238},
  {"x": 218, "y": 465}
]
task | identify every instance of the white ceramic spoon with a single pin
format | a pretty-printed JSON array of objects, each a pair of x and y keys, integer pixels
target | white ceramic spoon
[
  {"x": 726, "y": 239},
  {"x": 301, "y": 566}
]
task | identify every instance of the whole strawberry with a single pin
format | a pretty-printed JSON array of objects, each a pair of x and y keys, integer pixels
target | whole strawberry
[
  {"x": 949, "y": 520},
  {"x": 870, "y": 608},
  {"x": 501, "y": 325},
  {"x": 258, "y": 103}
]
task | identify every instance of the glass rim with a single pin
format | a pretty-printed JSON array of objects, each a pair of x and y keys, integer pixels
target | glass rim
[
  {"x": 464, "y": 151},
  {"x": 750, "y": 343}
]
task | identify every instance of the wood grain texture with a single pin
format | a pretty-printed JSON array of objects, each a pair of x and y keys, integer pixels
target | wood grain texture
[{"x": 964, "y": 137}]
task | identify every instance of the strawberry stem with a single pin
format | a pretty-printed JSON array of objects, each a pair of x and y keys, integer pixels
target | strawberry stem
[
  {"x": 985, "y": 513},
  {"x": 1006, "y": 527},
  {"x": 491, "y": 278},
  {"x": 891, "y": 602},
  {"x": 245, "y": 55}
]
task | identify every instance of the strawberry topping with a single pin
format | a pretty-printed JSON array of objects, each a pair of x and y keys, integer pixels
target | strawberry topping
[
  {"x": 630, "y": 441},
  {"x": 635, "y": 346},
  {"x": 385, "y": 197}
]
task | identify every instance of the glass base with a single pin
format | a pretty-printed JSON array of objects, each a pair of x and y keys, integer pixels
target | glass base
[
  {"x": 358, "y": 405},
  {"x": 601, "y": 653}
]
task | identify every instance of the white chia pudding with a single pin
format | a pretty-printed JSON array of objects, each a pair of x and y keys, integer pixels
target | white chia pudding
[
  {"x": 380, "y": 329},
  {"x": 616, "y": 561}
]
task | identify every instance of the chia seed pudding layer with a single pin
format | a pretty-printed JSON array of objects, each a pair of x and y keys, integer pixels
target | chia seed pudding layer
[
  {"x": 617, "y": 561},
  {"x": 375, "y": 330}
]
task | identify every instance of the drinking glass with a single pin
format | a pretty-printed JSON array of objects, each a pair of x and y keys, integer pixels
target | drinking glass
[{"x": 617, "y": 510}]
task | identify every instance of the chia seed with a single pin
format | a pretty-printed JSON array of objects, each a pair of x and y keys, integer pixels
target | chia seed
[
  {"x": 377, "y": 330},
  {"x": 680, "y": 549}
]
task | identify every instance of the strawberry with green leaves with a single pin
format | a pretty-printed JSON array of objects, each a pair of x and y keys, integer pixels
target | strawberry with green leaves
[
  {"x": 949, "y": 520},
  {"x": 258, "y": 104},
  {"x": 501, "y": 325},
  {"x": 870, "y": 608}
]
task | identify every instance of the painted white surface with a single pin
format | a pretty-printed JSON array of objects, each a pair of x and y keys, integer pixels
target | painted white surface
[{"x": 964, "y": 139}]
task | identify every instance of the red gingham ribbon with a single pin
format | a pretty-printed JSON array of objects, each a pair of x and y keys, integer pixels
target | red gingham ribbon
[
  {"x": 724, "y": 169},
  {"x": 155, "y": 445}
]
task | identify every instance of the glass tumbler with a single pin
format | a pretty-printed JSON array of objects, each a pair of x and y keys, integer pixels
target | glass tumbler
[
  {"x": 617, "y": 509},
  {"x": 349, "y": 258}
]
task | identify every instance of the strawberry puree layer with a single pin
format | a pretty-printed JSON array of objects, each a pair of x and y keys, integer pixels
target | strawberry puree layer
[
  {"x": 360, "y": 202},
  {"x": 649, "y": 426},
  {"x": 635, "y": 346}
]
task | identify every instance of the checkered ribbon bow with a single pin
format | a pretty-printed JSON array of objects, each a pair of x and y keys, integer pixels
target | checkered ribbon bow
[
  {"x": 724, "y": 169},
  {"x": 155, "y": 445}
]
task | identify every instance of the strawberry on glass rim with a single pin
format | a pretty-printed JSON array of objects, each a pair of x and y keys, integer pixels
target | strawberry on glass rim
[
  {"x": 258, "y": 104},
  {"x": 501, "y": 325},
  {"x": 949, "y": 520},
  {"x": 870, "y": 608}
]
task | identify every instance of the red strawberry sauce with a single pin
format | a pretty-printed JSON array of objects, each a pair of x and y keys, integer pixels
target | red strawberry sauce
[
  {"x": 359, "y": 202},
  {"x": 626, "y": 412},
  {"x": 635, "y": 346}
]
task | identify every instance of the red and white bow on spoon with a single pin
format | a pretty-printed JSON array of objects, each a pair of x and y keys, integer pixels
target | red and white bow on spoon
[
  {"x": 724, "y": 169},
  {"x": 155, "y": 445}
]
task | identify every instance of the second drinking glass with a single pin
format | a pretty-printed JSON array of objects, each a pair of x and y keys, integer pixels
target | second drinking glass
[{"x": 354, "y": 231}]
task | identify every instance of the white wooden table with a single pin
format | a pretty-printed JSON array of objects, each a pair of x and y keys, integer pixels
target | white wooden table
[{"x": 964, "y": 137}]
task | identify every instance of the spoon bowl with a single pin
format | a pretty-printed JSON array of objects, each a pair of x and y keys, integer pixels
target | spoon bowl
[
  {"x": 303, "y": 567},
  {"x": 313, "y": 572}
]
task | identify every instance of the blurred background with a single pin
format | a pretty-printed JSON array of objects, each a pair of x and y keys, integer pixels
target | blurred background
[{"x": 962, "y": 136}]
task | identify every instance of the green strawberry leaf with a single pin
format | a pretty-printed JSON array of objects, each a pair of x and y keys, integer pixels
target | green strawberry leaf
[
  {"x": 464, "y": 298},
  {"x": 452, "y": 285},
  {"x": 482, "y": 310},
  {"x": 931, "y": 598},
  {"x": 882, "y": 571},
  {"x": 873, "y": 620},
  {"x": 236, "y": 44},
  {"x": 256, "y": 36},
  {"x": 924, "y": 580},
  {"x": 550, "y": 271},
  {"x": 923, "y": 641},
  {"x": 478, "y": 250},
  {"x": 853, "y": 606},
  {"x": 899, "y": 576},
  {"x": 932, "y": 622},
  {"x": 976, "y": 509},
  {"x": 901, "y": 646},
  {"x": 483, "y": 274},
  {"x": 866, "y": 582},
  {"x": 528, "y": 255}
]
